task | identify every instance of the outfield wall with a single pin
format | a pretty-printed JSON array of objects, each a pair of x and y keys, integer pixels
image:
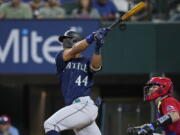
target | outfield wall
[{"x": 29, "y": 46}]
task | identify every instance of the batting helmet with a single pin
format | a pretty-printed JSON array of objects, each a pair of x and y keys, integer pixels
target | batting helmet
[
  {"x": 165, "y": 88},
  {"x": 72, "y": 38}
]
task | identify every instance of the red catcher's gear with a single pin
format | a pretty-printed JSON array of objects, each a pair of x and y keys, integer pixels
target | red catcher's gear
[{"x": 165, "y": 88}]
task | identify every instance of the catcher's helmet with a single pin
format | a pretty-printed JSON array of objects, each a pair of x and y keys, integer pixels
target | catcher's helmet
[
  {"x": 165, "y": 88},
  {"x": 73, "y": 38}
]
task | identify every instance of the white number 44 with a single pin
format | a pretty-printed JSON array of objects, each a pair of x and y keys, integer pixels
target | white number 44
[{"x": 79, "y": 80}]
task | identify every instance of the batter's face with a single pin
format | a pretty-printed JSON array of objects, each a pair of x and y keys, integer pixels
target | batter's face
[{"x": 64, "y": 40}]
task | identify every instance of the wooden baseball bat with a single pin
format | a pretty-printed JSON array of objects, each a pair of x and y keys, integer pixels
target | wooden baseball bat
[{"x": 128, "y": 14}]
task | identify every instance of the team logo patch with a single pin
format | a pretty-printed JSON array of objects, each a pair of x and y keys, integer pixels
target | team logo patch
[{"x": 169, "y": 108}]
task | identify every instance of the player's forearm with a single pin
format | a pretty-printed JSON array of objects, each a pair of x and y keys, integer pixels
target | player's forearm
[
  {"x": 165, "y": 120},
  {"x": 96, "y": 62},
  {"x": 79, "y": 47},
  {"x": 149, "y": 128}
]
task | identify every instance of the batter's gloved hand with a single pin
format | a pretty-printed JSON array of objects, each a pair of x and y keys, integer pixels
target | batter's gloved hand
[
  {"x": 99, "y": 41},
  {"x": 98, "y": 46},
  {"x": 102, "y": 31},
  {"x": 98, "y": 35}
]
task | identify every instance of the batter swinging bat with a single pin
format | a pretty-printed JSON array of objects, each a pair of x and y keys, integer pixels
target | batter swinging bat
[{"x": 128, "y": 14}]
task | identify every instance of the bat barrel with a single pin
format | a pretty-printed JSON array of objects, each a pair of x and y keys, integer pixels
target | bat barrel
[
  {"x": 127, "y": 15},
  {"x": 133, "y": 11}
]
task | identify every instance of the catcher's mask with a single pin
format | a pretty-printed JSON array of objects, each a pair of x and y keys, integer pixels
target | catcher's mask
[
  {"x": 165, "y": 88},
  {"x": 70, "y": 38}
]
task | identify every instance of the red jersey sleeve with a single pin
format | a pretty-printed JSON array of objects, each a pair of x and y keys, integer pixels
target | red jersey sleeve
[{"x": 168, "y": 105}]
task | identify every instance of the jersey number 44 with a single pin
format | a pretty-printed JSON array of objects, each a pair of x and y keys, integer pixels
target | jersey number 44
[{"x": 81, "y": 81}]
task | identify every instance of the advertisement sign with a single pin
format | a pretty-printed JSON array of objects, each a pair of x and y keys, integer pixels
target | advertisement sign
[{"x": 30, "y": 46}]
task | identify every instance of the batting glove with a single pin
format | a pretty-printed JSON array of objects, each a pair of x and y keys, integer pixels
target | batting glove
[
  {"x": 98, "y": 35},
  {"x": 98, "y": 46},
  {"x": 101, "y": 33},
  {"x": 99, "y": 41},
  {"x": 145, "y": 129}
]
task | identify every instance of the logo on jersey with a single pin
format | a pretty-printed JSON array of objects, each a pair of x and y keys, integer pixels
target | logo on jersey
[
  {"x": 170, "y": 108},
  {"x": 78, "y": 66}
]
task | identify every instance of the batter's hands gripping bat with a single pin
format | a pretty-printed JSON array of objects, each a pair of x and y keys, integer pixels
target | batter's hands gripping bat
[{"x": 128, "y": 14}]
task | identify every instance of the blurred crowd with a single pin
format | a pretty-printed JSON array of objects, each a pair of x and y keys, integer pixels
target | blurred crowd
[{"x": 156, "y": 10}]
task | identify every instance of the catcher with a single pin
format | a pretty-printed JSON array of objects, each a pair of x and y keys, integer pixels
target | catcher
[{"x": 160, "y": 89}]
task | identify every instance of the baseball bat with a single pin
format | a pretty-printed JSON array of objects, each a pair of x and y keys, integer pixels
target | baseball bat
[{"x": 128, "y": 14}]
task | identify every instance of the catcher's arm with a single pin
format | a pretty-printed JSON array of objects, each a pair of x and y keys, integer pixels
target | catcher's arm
[{"x": 150, "y": 128}]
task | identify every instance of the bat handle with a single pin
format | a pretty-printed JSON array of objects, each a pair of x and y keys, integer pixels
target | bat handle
[{"x": 114, "y": 24}]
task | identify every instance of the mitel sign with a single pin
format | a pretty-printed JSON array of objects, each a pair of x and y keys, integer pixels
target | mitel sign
[
  {"x": 30, "y": 46},
  {"x": 24, "y": 46}
]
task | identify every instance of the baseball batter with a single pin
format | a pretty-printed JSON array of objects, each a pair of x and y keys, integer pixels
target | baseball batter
[
  {"x": 75, "y": 73},
  {"x": 160, "y": 89}
]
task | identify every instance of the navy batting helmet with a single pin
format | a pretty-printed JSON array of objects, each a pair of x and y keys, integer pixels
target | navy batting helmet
[{"x": 73, "y": 38}]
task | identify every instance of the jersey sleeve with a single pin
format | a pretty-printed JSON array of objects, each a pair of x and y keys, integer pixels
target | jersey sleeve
[
  {"x": 168, "y": 106},
  {"x": 60, "y": 63}
]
